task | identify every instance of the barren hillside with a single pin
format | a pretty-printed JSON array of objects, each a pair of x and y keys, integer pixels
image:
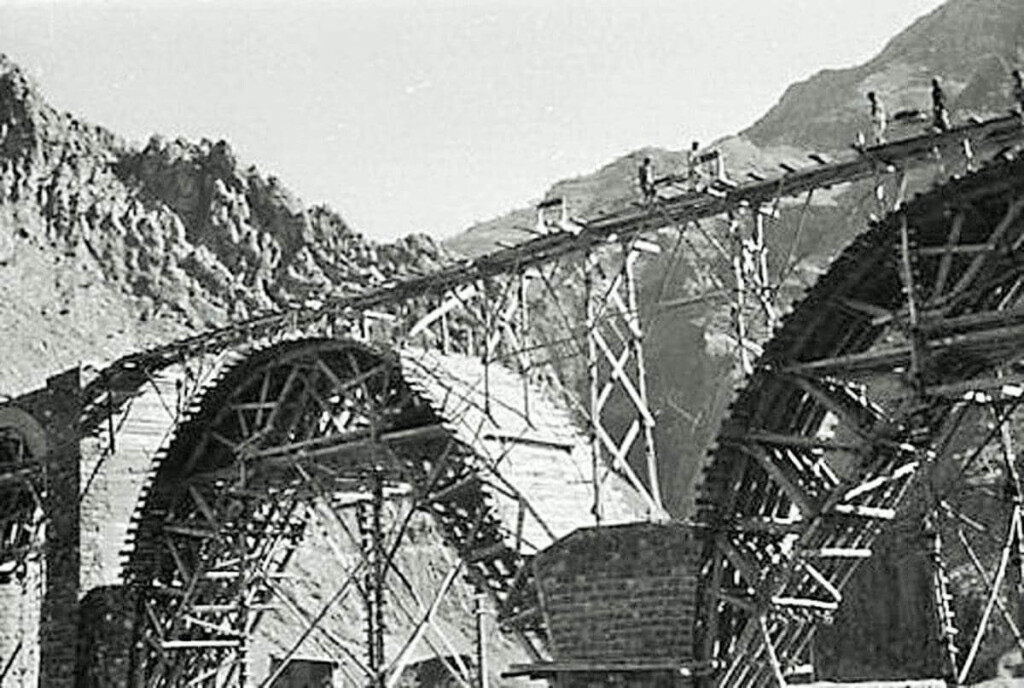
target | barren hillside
[{"x": 106, "y": 247}]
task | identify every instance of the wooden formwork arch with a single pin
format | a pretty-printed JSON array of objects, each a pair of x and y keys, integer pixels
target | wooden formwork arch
[{"x": 865, "y": 410}]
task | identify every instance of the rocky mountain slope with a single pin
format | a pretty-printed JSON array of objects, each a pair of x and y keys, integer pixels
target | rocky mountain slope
[{"x": 106, "y": 247}]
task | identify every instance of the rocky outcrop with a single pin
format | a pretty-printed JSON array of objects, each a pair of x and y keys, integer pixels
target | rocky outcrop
[
  {"x": 971, "y": 44},
  {"x": 177, "y": 226}
]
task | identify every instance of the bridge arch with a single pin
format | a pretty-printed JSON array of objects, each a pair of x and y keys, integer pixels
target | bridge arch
[
  {"x": 260, "y": 452},
  {"x": 868, "y": 410}
]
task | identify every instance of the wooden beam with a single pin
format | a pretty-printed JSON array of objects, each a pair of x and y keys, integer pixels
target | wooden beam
[
  {"x": 799, "y": 441},
  {"x": 958, "y": 250},
  {"x": 871, "y": 512},
  {"x": 330, "y": 452},
  {"x": 836, "y": 553},
  {"x": 769, "y": 525},
  {"x": 806, "y": 603},
  {"x": 546, "y": 669},
  {"x": 199, "y": 644},
  {"x": 739, "y": 561},
  {"x": 803, "y": 501},
  {"x": 903, "y": 472},
  {"x": 947, "y": 260}
]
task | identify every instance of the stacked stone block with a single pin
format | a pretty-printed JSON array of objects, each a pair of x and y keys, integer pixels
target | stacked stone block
[{"x": 620, "y": 595}]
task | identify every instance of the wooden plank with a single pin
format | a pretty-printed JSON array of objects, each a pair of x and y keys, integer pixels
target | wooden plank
[
  {"x": 836, "y": 553},
  {"x": 199, "y": 644},
  {"x": 799, "y": 441},
  {"x": 875, "y": 483},
  {"x": 957, "y": 250},
  {"x": 682, "y": 668},
  {"x": 947, "y": 260},
  {"x": 806, "y": 603},
  {"x": 870, "y": 512}
]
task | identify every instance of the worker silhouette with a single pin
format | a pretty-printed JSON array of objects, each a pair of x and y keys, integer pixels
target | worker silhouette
[
  {"x": 693, "y": 171},
  {"x": 879, "y": 119},
  {"x": 940, "y": 115},
  {"x": 646, "y": 175}
]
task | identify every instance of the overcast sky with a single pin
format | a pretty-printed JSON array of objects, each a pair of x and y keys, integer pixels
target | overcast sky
[{"x": 427, "y": 115}]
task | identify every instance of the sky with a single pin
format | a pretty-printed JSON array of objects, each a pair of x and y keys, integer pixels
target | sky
[{"x": 430, "y": 115}]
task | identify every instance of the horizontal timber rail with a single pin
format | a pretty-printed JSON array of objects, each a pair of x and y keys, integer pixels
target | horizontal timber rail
[{"x": 615, "y": 226}]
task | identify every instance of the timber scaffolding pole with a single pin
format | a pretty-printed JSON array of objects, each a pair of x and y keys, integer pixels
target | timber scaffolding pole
[{"x": 616, "y": 369}]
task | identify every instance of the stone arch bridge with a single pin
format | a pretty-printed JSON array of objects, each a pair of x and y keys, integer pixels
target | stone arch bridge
[{"x": 332, "y": 489}]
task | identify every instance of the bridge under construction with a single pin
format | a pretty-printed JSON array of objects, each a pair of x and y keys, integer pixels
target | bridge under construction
[{"x": 160, "y": 518}]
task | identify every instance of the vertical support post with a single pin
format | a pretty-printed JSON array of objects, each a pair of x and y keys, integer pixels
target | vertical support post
[
  {"x": 940, "y": 164},
  {"x": 488, "y": 330},
  {"x": 446, "y": 337},
  {"x": 110, "y": 420},
  {"x": 1013, "y": 489},
  {"x": 901, "y": 190},
  {"x": 242, "y": 654},
  {"x": 764, "y": 286},
  {"x": 968, "y": 155},
  {"x": 740, "y": 294},
  {"x": 916, "y": 370},
  {"x": 941, "y": 599},
  {"x": 371, "y": 530},
  {"x": 59, "y": 623},
  {"x": 481, "y": 641},
  {"x": 524, "y": 343},
  {"x": 636, "y": 342},
  {"x": 378, "y": 574},
  {"x": 591, "y": 324},
  {"x": 1010, "y": 559}
]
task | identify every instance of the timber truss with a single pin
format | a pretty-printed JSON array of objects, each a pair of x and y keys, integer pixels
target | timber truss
[{"x": 296, "y": 422}]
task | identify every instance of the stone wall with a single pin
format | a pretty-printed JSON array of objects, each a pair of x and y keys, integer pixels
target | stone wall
[
  {"x": 620, "y": 594},
  {"x": 20, "y": 600},
  {"x": 58, "y": 637}
]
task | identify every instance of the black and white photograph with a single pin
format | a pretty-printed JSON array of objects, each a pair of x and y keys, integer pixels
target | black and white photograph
[{"x": 511, "y": 343}]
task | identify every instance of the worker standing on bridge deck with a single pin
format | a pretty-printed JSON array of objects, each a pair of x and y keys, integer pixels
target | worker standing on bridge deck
[
  {"x": 940, "y": 115},
  {"x": 693, "y": 174},
  {"x": 878, "y": 119},
  {"x": 646, "y": 173},
  {"x": 1018, "y": 92}
]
